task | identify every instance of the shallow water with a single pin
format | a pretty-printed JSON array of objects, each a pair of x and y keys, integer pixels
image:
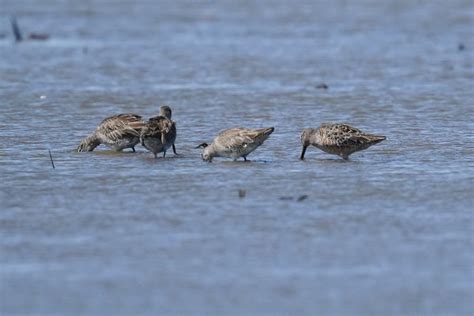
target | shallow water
[{"x": 389, "y": 232}]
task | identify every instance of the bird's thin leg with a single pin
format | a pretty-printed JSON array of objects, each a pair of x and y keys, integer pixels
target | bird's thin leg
[
  {"x": 156, "y": 156},
  {"x": 164, "y": 154},
  {"x": 174, "y": 150},
  {"x": 245, "y": 158},
  {"x": 133, "y": 149},
  {"x": 303, "y": 152}
]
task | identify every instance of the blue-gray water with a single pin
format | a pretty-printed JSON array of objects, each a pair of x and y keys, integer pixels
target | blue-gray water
[{"x": 388, "y": 233}]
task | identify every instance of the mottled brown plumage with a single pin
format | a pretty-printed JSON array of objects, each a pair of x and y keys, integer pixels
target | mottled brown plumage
[
  {"x": 235, "y": 143},
  {"x": 159, "y": 133},
  {"x": 338, "y": 139},
  {"x": 117, "y": 132}
]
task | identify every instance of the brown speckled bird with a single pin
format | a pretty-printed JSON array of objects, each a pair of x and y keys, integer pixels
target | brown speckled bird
[
  {"x": 338, "y": 139},
  {"x": 159, "y": 133},
  {"x": 235, "y": 143},
  {"x": 117, "y": 132}
]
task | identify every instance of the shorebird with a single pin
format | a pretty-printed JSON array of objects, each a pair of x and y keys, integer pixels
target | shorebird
[
  {"x": 235, "y": 143},
  {"x": 338, "y": 139},
  {"x": 117, "y": 132},
  {"x": 159, "y": 133}
]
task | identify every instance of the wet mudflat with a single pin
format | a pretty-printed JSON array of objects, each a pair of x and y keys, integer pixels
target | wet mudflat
[{"x": 387, "y": 233}]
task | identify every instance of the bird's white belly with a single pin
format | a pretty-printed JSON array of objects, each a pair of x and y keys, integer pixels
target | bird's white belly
[
  {"x": 122, "y": 143},
  {"x": 237, "y": 152}
]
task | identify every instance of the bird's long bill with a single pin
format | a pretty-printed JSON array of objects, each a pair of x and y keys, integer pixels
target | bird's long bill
[
  {"x": 303, "y": 152},
  {"x": 203, "y": 145}
]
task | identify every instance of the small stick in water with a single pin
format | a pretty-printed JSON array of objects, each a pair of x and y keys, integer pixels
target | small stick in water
[
  {"x": 51, "y": 158},
  {"x": 16, "y": 29}
]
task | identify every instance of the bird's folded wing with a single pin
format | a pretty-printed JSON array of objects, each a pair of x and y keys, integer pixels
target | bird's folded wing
[
  {"x": 116, "y": 129},
  {"x": 157, "y": 126},
  {"x": 237, "y": 138}
]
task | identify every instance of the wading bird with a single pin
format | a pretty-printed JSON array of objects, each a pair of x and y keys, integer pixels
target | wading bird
[
  {"x": 235, "y": 143},
  {"x": 117, "y": 132},
  {"x": 338, "y": 139},
  {"x": 159, "y": 133}
]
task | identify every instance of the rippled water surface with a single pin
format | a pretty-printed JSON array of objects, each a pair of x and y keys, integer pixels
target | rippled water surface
[{"x": 389, "y": 232}]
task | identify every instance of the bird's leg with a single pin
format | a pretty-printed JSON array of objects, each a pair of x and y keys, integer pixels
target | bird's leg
[
  {"x": 245, "y": 158},
  {"x": 164, "y": 153},
  {"x": 174, "y": 150},
  {"x": 155, "y": 155},
  {"x": 303, "y": 152},
  {"x": 133, "y": 148}
]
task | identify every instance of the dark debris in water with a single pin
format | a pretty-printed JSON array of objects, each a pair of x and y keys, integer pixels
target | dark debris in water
[
  {"x": 292, "y": 198},
  {"x": 31, "y": 36},
  {"x": 242, "y": 193},
  {"x": 260, "y": 161},
  {"x": 38, "y": 36},
  {"x": 302, "y": 198},
  {"x": 322, "y": 86}
]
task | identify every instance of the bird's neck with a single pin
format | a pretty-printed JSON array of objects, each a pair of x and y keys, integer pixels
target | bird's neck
[
  {"x": 212, "y": 150},
  {"x": 315, "y": 137},
  {"x": 92, "y": 141}
]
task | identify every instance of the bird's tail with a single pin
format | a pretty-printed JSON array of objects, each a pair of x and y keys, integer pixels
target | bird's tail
[
  {"x": 267, "y": 131},
  {"x": 374, "y": 139}
]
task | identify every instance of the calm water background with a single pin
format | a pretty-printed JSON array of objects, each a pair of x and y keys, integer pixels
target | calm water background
[{"x": 388, "y": 233}]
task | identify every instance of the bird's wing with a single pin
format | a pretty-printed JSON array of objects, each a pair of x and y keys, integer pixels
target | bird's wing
[
  {"x": 158, "y": 127},
  {"x": 127, "y": 118},
  {"x": 119, "y": 126},
  {"x": 366, "y": 139},
  {"x": 339, "y": 135},
  {"x": 237, "y": 137}
]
